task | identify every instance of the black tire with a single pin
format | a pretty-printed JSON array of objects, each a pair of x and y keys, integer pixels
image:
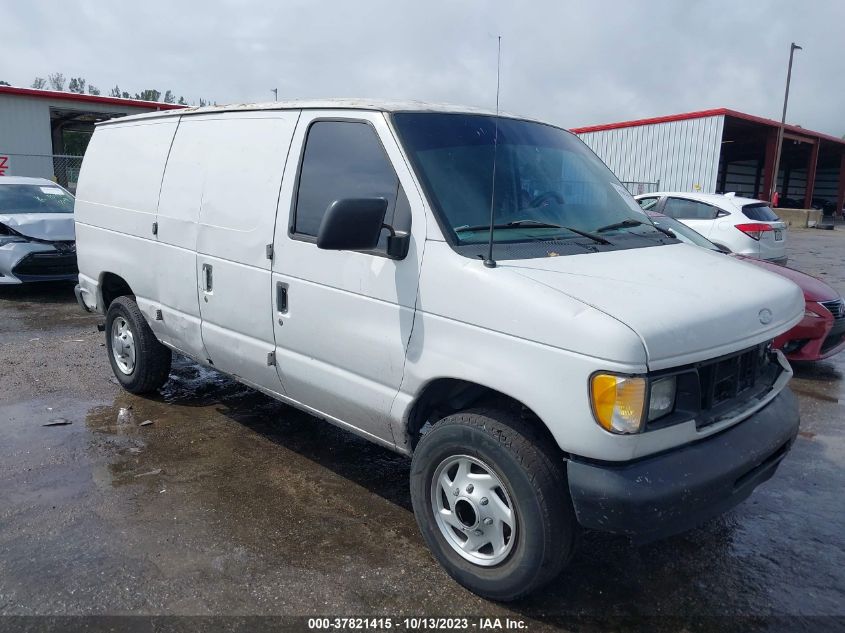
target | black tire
[
  {"x": 531, "y": 469},
  {"x": 152, "y": 359}
]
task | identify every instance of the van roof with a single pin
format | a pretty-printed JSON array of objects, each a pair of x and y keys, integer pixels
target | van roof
[{"x": 318, "y": 104}]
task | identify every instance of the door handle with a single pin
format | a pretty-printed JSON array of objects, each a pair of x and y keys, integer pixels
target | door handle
[
  {"x": 207, "y": 279},
  {"x": 281, "y": 297}
]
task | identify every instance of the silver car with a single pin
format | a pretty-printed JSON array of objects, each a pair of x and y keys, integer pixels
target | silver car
[
  {"x": 741, "y": 225},
  {"x": 37, "y": 241}
]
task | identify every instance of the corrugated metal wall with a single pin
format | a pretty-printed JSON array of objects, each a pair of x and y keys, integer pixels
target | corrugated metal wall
[
  {"x": 25, "y": 133},
  {"x": 682, "y": 155}
]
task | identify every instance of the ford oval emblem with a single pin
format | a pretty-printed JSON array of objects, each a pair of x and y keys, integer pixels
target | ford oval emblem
[{"x": 765, "y": 316}]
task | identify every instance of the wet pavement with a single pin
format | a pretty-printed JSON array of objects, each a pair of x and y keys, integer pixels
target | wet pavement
[{"x": 232, "y": 503}]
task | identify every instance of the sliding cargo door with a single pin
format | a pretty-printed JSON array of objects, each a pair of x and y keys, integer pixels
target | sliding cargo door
[{"x": 244, "y": 157}]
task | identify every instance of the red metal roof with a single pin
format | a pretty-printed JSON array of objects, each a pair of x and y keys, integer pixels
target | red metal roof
[
  {"x": 699, "y": 114},
  {"x": 72, "y": 96}
]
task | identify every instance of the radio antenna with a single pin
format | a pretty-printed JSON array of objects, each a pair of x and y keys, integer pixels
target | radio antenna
[{"x": 489, "y": 261}]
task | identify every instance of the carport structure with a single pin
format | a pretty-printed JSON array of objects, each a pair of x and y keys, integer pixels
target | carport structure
[{"x": 723, "y": 150}]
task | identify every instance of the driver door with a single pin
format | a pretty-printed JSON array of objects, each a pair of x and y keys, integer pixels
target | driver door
[{"x": 342, "y": 319}]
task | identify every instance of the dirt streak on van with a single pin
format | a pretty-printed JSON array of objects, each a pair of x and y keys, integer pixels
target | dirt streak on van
[{"x": 330, "y": 254}]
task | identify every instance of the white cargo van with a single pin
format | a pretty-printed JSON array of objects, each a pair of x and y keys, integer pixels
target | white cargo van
[{"x": 593, "y": 373}]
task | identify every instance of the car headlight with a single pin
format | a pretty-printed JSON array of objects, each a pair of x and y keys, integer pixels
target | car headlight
[
  {"x": 619, "y": 402},
  {"x": 808, "y": 313},
  {"x": 661, "y": 399}
]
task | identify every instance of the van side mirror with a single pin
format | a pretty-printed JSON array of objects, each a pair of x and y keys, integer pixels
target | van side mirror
[
  {"x": 355, "y": 224},
  {"x": 352, "y": 224}
]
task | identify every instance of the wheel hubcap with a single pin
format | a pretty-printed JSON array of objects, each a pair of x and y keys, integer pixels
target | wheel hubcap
[
  {"x": 123, "y": 345},
  {"x": 473, "y": 510}
]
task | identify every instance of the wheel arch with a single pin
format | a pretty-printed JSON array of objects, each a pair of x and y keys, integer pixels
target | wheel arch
[
  {"x": 443, "y": 396},
  {"x": 112, "y": 286}
]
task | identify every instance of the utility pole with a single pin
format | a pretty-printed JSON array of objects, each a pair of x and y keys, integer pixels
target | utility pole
[
  {"x": 275, "y": 92},
  {"x": 792, "y": 48}
]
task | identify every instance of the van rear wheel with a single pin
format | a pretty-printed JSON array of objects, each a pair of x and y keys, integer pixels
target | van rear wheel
[
  {"x": 139, "y": 361},
  {"x": 491, "y": 500}
]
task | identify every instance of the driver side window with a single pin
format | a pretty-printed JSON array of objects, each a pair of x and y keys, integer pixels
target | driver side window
[{"x": 345, "y": 159}]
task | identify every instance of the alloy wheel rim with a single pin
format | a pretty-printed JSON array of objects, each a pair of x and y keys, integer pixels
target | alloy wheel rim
[
  {"x": 473, "y": 510},
  {"x": 123, "y": 345}
]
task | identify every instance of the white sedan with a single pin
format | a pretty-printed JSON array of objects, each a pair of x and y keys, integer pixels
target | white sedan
[
  {"x": 36, "y": 231},
  {"x": 740, "y": 225}
]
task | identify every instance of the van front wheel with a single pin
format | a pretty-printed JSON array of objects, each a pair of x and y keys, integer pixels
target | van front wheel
[
  {"x": 491, "y": 500},
  {"x": 139, "y": 361}
]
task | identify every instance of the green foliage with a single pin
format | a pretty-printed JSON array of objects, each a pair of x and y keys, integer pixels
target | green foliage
[
  {"x": 77, "y": 85},
  {"x": 5, "y": 83},
  {"x": 56, "y": 81},
  {"x": 148, "y": 95}
]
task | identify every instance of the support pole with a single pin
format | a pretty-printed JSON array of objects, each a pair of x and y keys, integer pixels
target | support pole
[
  {"x": 812, "y": 163},
  {"x": 792, "y": 48}
]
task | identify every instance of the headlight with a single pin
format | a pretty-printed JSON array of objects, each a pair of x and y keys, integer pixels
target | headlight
[
  {"x": 808, "y": 313},
  {"x": 619, "y": 402},
  {"x": 661, "y": 397}
]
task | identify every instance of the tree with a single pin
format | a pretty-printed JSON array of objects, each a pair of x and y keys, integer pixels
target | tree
[
  {"x": 203, "y": 103},
  {"x": 39, "y": 83},
  {"x": 182, "y": 101},
  {"x": 126, "y": 95},
  {"x": 148, "y": 95},
  {"x": 57, "y": 81},
  {"x": 77, "y": 85},
  {"x": 115, "y": 92},
  {"x": 5, "y": 83},
  {"x": 169, "y": 97},
  {"x": 93, "y": 90}
]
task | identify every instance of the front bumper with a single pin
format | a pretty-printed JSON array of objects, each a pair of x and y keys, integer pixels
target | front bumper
[
  {"x": 23, "y": 262},
  {"x": 781, "y": 261},
  {"x": 672, "y": 492},
  {"x": 814, "y": 338}
]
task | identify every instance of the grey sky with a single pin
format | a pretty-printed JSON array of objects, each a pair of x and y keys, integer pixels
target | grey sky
[{"x": 571, "y": 63}]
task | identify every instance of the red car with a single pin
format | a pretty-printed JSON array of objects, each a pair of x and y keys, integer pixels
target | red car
[{"x": 820, "y": 334}]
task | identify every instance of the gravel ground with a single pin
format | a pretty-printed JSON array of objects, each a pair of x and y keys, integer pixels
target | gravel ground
[{"x": 230, "y": 503}]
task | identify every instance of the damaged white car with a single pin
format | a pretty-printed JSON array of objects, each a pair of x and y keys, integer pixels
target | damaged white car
[{"x": 37, "y": 241}]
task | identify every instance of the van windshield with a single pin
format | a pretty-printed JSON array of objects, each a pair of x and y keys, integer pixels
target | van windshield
[{"x": 548, "y": 184}]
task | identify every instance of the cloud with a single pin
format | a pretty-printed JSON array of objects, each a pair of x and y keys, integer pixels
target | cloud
[{"x": 571, "y": 63}]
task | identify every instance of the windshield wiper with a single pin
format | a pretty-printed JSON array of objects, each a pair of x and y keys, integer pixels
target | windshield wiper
[
  {"x": 537, "y": 224},
  {"x": 631, "y": 223}
]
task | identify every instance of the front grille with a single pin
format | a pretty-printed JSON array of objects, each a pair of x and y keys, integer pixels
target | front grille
[
  {"x": 47, "y": 264},
  {"x": 730, "y": 382},
  {"x": 832, "y": 341},
  {"x": 836, "y": 308}
]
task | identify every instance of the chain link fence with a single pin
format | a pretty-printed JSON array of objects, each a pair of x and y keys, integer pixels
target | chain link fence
[{"x": 60, "y": 168}]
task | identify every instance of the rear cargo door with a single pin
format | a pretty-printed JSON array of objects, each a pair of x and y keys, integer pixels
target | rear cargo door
[{"x": 772, "y": 242}]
